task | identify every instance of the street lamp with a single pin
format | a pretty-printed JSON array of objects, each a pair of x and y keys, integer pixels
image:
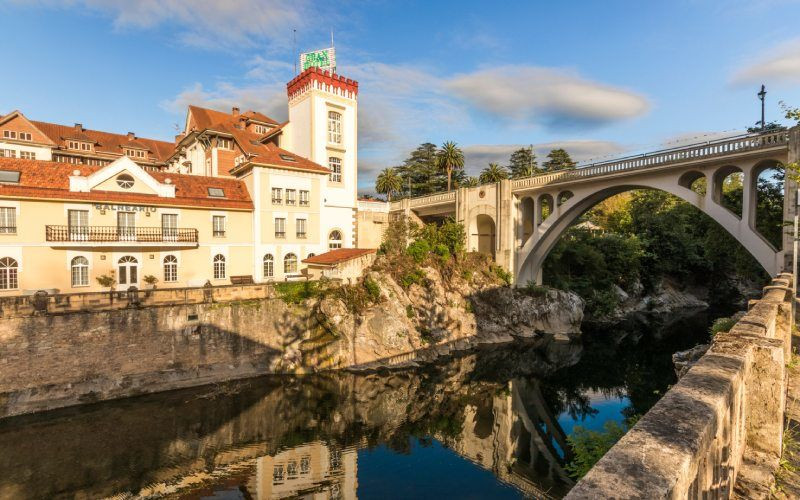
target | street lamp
[{"x": 761, "y": 95}]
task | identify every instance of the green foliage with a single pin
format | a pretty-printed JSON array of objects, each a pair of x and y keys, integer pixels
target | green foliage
[
  {"x": 410, "y": 314},
  {"x": 450, "y": 158},
  {"x": 389, "y": 182},
  {"x": 106, "y": 280},
  {"x": 721, "y": 325},
  {"x": 423, "y": 171},
  {"x": 558, "y": 159},
  {"x": 522, "y": 163},
  {"x": 425, "y": 335},
  {"x": 419, "y": 250},
  {"x": 395, "y": 239},
  {"x": 373, "y": 290},
  {"x": 413, "y": 277},
  {"x": 502, "y": 274},
  {"x": 534, "y": 290},
  {"x": 469, "y": 182},
  {"x": 590, "y": 446},
  {"x": 451, "y": 234},
  {"x": 493, "y": 173},
  {"x": 150, "y": 279},
  {"x": 296, "y": 292}
]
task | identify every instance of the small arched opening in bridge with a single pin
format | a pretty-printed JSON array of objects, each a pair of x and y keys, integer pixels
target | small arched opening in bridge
[
  {"x": 694, "y": 180},
  {"x": 544, "y": 208},
  {"x": 526, "y": 208},
  {"x": 482, "y": 235},
  {"x": 766, "y": 195},
  {"x": 563, "y": 197},
  {"x": 727, "y": 188}
]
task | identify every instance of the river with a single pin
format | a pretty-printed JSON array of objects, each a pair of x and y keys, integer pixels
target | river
[{"x": 490, "y": 423}]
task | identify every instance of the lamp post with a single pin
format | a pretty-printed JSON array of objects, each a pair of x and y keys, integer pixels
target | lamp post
[{"x": 761, "y": 95}]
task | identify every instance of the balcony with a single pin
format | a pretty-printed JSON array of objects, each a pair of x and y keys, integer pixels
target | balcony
[{"x": 114, "y": 236}]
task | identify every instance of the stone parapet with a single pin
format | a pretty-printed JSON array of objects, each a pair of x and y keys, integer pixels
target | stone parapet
[{"x": 722, "y": 420}]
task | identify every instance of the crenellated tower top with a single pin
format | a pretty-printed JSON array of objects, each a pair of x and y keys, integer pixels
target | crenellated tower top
[{"x": 325, "y": 81}]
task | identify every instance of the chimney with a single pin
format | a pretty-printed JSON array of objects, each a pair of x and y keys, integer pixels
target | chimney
[
  {"x": 79, "y": 127},
  {"x": 235, "y": 111},
  {"x": 131, "y": 136}
]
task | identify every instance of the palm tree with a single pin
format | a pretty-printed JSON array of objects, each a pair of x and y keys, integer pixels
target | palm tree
[
  {"x": 470, "y": 182},
  {"x": 493, "y": 173},
  {"x": 388, "y": 182},
  {"x": 449, "y": 158}
]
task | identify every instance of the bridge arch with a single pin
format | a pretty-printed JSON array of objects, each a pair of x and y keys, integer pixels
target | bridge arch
[
  {"x": 544, "y": 208},
  {"x": 534, "y": 252},
  {"x": 564, "y": 197},
  {"x": 527, "y": 210}
]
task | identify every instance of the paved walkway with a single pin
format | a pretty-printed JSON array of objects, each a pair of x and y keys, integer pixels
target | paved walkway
[{"x": 787, "y": 478}]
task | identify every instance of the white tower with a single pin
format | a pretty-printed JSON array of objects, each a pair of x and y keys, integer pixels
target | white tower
[{"x": 323, "y": 127}]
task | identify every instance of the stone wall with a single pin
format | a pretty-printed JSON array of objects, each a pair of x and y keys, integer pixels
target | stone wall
[
  {"x": 54, "y": 360},
  {"x": 722, "y": 420}
]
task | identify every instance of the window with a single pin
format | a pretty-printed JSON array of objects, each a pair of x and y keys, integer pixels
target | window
[
  {"x": 218, "y": 221},
  {"x": 224, "y": 143},
  {"x": 277, "y": 196},
  {"x": 9, "y": 134},
  {"x": 280, "y": 227},
  {"x": 303, "y": 198},
  {"x": 27, "y": 155},
  {"x": 290, "y": 264},
  {"x": 130, "y": 153},
  {"x": 125, "y": 181},
  {"x": 260, "y": 129},
  {"x": 25, "y": 136},
  {"x": 126, "y": 226},
  {"x": 8, "y": 220},
  {"x": 216, "y": 193},
  {"x": 335, "y": 240},
  {"x": 291, "y": 196},
  {"x": 291, "y": 469},
  {"x": 80, "y": 271},
  {"x": 128, "y": 270},
  {"x": 269, "y": 266},
  {"x": 334, "y": 127},
  {"x": 301, "y": 228},
  {"x": 8, "y": 153},
  {"x": 85, "y": 146},
  {"x": 277, "y": 474},
  {"x": 8, "y": 274},
  {"x": 170, "y": 269},
  {"x": 288, "y": 158},
  {"x": 219, "y": 267},
  {"x": 78, "y": 221},
  {"x": 335, "y": 164},
  {"x": 305, "y": 465},
  {"x": 9, "y": 176},
  {"x": 312, "y": 254},
  {"x": 169, "y": 227}
]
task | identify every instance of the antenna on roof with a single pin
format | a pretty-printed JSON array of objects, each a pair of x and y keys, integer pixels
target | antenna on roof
[
  {"x": 294, "y": 50},
  {"x": 333, "y": 69}
]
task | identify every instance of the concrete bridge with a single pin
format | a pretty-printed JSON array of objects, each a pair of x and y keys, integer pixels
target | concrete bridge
[{"x": 519, "y": 221}]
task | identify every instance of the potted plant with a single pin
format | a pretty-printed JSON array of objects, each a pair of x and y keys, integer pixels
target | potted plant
[
  {"x": 108, "y": 281},
  {"x": 151, "y": 281}
]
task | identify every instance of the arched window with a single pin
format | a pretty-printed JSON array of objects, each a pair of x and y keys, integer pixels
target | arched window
[
  {"x": 311, "y": 255},
  {"x": 219, "y": 267},
  {"x": 335, "y": 240},
  {"x": 269, "y": 266},
  {"x": 334, "y": 127},
  {"x": 8, "y": 274},
  {"x": 80, "y": 271},
  {"x": 170, "y": 269},
  {"x": 290, "y": 264},
  {"x": 125, "y": 181},
  {"x": 335, "y": 164},
  {"x": 128, "y": 268}
]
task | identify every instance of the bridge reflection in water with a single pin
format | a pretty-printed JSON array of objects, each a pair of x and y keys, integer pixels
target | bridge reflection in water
[{"x": 279, "y": 437}]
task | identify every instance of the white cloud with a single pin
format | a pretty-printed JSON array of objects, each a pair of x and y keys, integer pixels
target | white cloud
[
  {"x": 546, "y": 96},
  {"x": 477, "y": 156},
  {"x": 780, "y": 64},
  {"x": 268, "y": 99},
  {"x": 205, "y": 23}
]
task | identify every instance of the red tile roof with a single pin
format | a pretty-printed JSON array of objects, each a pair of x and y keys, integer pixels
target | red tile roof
[
  {"x": 268, "y": 154},
  {"x": 105, "y": 142},
  {"x": 209, "y": 118},
  {"x": 50, "y": 180},
  {"x": 338, "y": 256}
]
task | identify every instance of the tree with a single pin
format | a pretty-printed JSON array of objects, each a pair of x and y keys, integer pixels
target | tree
[
  {"x": 388, "y": 183},
  {"x": 522, "y": 163},
  {"x": 493, "y": 173},
  {"x": 470, "y": 182},
  {"x": 419, "y": 171},
  {"x": 450, "y": 158},
  {"x": 558, "y": 159}
]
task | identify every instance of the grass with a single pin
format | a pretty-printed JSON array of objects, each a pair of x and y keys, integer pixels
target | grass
[
  {"x": 296, "y": 292},
  {"x": 722, "y": 325}
]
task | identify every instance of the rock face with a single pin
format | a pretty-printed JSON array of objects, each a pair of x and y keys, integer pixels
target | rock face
[
  {"x": 438, "y": 316},
  {"x": 683, "y": 360},
  {"x": 666, "y": 297}
]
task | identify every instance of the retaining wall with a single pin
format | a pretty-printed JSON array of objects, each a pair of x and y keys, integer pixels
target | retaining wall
[{"x": 723, "y": 420}]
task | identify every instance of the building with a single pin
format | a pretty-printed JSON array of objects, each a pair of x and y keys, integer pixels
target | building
[
  {"x": 345, "y": 264},
  {"x": 237, "y": 195}
]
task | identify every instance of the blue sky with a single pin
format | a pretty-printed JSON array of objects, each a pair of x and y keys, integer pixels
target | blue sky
[{"x": 599, "y": 78}]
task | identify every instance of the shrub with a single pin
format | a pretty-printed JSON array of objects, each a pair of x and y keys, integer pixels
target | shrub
[
  {"x": 410, "y": 312},
  {"x": 419, "y": 250},
  {"x": 150, "y": 279},
  {"x": 295, "y": 292},
  {"x": 395, "y": 239},
  {"x": 590, "y": 446},
  {"x": 106, "y": 280},
  {"x": 373, "y": 290},
  {"x": 721, "y": 325},
  {"x": 533, "y": 290},
  {"x": 502, "y": 274},
  {"x": 413, "y": 277}
]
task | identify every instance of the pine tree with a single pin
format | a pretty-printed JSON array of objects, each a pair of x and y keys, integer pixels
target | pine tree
[
  {"x": 522, "y": 163},
  {"x": 420, "y": 173},
  {"x": 558, "y": 159}
]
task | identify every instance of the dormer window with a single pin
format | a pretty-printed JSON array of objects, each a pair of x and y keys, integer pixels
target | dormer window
[
  {"x": 125, "y": 181},
  {"x": 135, "y": 153},
  {"x": 260, "y": 129},
  {"x": 288, "y": 158},
  {"x": 9, "y": 176},
  {"x": 216, "y": 193},
  {"x": 73, "y": 145},
  {"x": 85, "y": 146},
  {"x": 9, "y": 134},
  {"x": 239, "y": 160},
  {"x": 223, "y": 143}
]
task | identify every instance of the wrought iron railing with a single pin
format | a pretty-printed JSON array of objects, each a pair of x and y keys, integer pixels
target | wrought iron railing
[{"x": 113, "y": 234}]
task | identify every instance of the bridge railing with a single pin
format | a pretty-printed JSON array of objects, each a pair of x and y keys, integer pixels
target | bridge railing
[
  {"x": 708, "y": 149},
  {"x": 427, "y": 200}
]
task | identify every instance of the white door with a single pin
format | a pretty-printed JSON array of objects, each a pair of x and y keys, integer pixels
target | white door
[
  {"x": 78, "y": 225},
  {"x": 169, "y": 227},
  {"x": 128, "y": 271}
]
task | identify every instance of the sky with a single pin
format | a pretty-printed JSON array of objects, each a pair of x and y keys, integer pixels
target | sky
[{"x": 600, "y": 79}]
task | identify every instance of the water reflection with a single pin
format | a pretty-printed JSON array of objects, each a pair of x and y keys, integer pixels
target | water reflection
[{"x": 489, "y": 423}]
